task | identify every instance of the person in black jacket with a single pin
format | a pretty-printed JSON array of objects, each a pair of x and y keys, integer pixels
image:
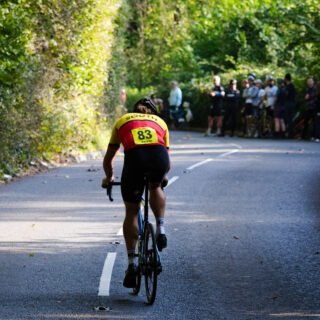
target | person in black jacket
[
  {"x": 216, "y": 96},
  {"x": 232, "y": 98},
  {"x": 289, "y": 104},
  {"x": 309, "y": 113},
  {"x": 279, "y": 110}
]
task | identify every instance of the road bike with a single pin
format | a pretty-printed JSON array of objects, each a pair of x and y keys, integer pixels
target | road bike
[{"x": 149, "y": 261}]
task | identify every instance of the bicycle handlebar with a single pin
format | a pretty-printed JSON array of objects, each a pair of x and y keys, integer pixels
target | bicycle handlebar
[
  {"x": 109, "y": 188},
  {"x": 117, "y": 183}
]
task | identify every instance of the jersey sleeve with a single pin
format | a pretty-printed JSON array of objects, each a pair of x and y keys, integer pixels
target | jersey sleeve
[{"x": 114, "y": 140}]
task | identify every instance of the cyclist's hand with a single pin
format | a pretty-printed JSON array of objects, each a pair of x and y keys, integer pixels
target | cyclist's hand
[
  {"x": 164, "y": 182},
  {"x": 105, "y": 182}
]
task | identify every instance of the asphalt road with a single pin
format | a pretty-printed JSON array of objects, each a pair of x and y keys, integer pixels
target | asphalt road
[{"x": 243, "y": 237}]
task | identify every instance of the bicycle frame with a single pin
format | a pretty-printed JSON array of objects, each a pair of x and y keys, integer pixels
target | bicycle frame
[{"x": 142, "y": 223}]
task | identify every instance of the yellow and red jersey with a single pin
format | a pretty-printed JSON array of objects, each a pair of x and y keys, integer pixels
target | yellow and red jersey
[{"x": 139, "y": 129}]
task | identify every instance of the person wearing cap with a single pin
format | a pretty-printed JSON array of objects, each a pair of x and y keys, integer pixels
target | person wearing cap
[
  {"x": 271, "y": 91},
  {"x": 145, "y": 140},
  {"x": 232, "y": 99},
  {"x": 251, "y": 96}
]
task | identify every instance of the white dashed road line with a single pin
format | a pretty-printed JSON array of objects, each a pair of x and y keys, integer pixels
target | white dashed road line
[
  {"x": 199, "y": 164},
  {"x": 228, "y": 153},
  {"x": 104, "y": 286},
  {"x": 172, "y": 180}
]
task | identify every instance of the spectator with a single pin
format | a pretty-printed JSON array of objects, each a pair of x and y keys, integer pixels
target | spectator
[
  {"x": 309, "y": 113},
  {"x": 216, "y": 96},
  {"x": 251, "y": 95},
  {"x": 270, "y": 94},
  {"x": 289, "y": 104},
  {"x": 317, "y": 112},
  {"x": 175, "y": 98},
  {"x": 158, "y": 103},
  {"x": 259, "y": 109},
  {"x": 279, "y": 110},
  {"x": 232, "y": 100},
  {"x": 244, "y": 85}
]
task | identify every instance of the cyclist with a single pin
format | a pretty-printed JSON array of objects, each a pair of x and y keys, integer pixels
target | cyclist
[{"x": 145, "y": 139}]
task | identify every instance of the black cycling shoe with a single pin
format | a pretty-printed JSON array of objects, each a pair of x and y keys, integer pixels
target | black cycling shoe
[
  {"x": 161, "y": 241},
  {"x": 129, "y": 280}
]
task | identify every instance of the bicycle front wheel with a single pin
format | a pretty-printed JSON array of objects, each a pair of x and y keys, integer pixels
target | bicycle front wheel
[{"x": 151, "y": 264}]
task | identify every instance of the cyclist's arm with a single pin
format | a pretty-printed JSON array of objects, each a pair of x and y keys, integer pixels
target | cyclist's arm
[
  {"x": 108, "y": 164},
  {"x": 114, "y": 145}
]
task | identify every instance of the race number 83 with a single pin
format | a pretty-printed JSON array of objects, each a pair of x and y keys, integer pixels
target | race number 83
[{"x": 144, "y": 135}]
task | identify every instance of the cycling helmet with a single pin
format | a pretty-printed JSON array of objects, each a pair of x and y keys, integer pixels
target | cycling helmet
[{"x": 147, "y": 103}]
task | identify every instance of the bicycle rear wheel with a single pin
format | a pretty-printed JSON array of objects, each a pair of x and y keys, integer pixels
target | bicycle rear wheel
[{"x": 151, "y": 264}]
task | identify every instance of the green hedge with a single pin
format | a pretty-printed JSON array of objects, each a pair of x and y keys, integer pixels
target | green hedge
[{"x": 54, "y": 66}]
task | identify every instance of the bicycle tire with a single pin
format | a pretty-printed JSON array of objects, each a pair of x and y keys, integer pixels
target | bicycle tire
[
  {"x": 136, "y": 289},
  {"x": 151, "y": 264}
]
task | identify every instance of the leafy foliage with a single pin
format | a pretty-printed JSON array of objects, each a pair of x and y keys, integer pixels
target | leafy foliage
[
  {"x": 187, "y": 40},
  {"x": 54, "y": 62},
  {"x": 63, "y": 62}
]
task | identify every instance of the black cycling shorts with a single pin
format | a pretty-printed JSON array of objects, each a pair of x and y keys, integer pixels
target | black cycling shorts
[
  {"x": 215, "y": 111},
  {"x": 150, "y": 161},
  {"x": 248, "y": 109}
]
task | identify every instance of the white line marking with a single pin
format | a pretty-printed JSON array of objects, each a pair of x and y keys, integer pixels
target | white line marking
[
  {"x": 236, "y": 145},
  {"x": 120, "y": 232},
  {"x": 199, "y": 164},
  {"x": 172, "y": 180},
  {"x": 105, "y": 279},
  {"x": 228, "y": 153}
]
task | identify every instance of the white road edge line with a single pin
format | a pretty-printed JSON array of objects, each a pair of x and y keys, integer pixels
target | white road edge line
[
  {"x": 199, "y": 164},
  {"x": 172, "y": 180},
  {"x": 104, "y": 286},
  {"x": 228, "y": 153}
]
